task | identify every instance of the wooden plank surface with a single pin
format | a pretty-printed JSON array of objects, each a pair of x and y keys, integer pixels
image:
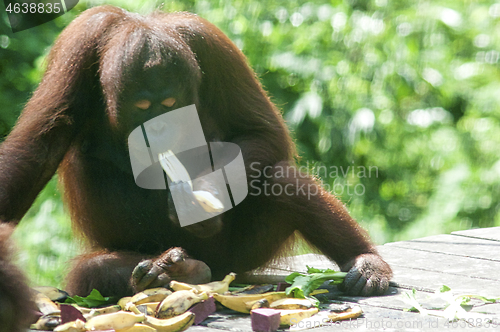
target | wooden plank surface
[
  {"x": 481, "y": 233},
  {"x": 466, "y": 261},
  {"x": 441, "y": 262},
  {"x": 454, "y": 245}
]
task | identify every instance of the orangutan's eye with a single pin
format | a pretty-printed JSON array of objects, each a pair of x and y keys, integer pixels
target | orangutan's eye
[
  {"x": 143, "y": 104},
  {"x": 169, "y": 102}
]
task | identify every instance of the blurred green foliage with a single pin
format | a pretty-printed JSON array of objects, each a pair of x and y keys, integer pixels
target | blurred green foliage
[{"x": 406, "y": 92}]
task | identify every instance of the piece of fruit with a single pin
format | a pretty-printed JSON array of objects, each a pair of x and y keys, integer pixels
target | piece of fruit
[
  {"x": 243, "y": 303},
  {"x": 317, "y": 320},
  {"x": 208, "y": 202},
  {"x": 318, "y": 291},
  {"x": 177, "y": 172},
  {"x": 47, "y": 322},
  {"x": 148, "y": 308},
  {"x": 53, "y": 293},
  {"x": 265, "y": 320},
  {"x": 203, "y": 309},
  {"x": 73, "y": 326},
  {"x": 92, "y": 312},
  {"x": 105, "y": 310},
  {"x": 179, "y": 302},
  {"x": 264, "y": 303},
  {"x": 123, "y": 301},
  {"x": 291, "y": 303},
  {"x": 219, "y": 287},
  {"x": 70, "y": 313},
  {"x": 174, "y": 324},
  {"x": 174, "y": 168},
  {"x": 116, "y": 320},
  {"x": 255, "y": 289},
  {"x": 351, "y": 313},
  {"x": 292, "y": 317},
  {"x": 138, "y": 327},
  {"x": 150, "y": 295},
  {"x": 45, "y": 305}
]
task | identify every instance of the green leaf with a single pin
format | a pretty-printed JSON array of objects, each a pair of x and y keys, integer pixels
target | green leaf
[
  {"x": 457, "y": 307},
  {"x": 315, "y": 270},
  {"x": 304, "y": 284},
  {"x": 444, "y": 288},
  {"x": 94, "y": 300},
  {"x": 289, "y": 279}
]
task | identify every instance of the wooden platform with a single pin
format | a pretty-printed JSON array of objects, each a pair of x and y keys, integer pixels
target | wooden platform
[{"x": 466, "y": 261}]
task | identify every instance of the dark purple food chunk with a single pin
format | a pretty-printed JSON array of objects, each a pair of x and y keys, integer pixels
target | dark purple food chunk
[
  {"x": 203, "y": 309},
  {"x": 265, "y": 320},
  {"x": 70, "y": 313}
]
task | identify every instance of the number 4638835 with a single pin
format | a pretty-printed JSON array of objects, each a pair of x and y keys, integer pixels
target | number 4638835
[{"x": 32, "y": 8}]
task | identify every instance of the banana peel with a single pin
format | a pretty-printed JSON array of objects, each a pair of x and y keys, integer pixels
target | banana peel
[
  {"x": 318, "y": 291},
  {"x": 174, "y": 168},
  {"x": 293, "y": 316},
  {"x": 114, "y": 321},
  {"x": 351, "y": 313},
  {"x": 150, "y": 295},
  {"x": 325, "y": 317},
  {"x": 174, "y": 324},
  {"x": 244, "y": 303},
  {"x": 73, "y": 326},
  {"x": 123, "y": 301},
  {"x": 148, "y": 308},
  {"x": 291, "y": 303},
  {"x": 219, "y": 287},
  {"x": 53, "y": 293},
  {"x": 92, "y": 312},
  {"x": 264, "y": 303},
  {"x": 102, "y": 311},
  {"x": 138, "y": 327},
  {"x": 47, "y": 322},
  {"x": 179, "y": 302},
  {"x": 46, "y": 305},
  {"x": 208, "y": 202},
  {"x": 177, "y": 172}
]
